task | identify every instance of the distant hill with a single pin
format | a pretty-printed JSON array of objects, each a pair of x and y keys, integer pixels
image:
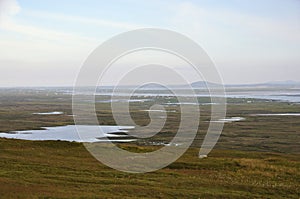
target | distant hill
[{"x": 203, "y": 84}]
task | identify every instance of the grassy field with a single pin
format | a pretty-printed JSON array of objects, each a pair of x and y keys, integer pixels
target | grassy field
[
  {"x": 255, "y": 158},
  {"x": 54, "y": 169}
]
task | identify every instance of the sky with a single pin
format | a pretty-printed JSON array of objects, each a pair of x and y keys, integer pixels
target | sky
[{"x": 44, "y": 43}]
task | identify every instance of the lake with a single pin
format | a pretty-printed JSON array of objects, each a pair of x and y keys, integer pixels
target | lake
[{"x": 69, "y": 133}]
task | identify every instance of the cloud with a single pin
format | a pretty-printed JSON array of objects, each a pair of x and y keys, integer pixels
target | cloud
[
  {"x": 8, "y": 8},
  {"x": 8, "y": 11},
  {"x": 37, "y": 44},
  {"x": 46, "y": 34},
  {"x": 35, "y": 51},
  {"x": 84, "y": 20}
]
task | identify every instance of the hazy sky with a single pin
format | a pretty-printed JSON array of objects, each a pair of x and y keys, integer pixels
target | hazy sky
[{"x": 44, "y": 43}]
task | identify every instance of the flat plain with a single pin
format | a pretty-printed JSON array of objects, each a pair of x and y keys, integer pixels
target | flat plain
[{"x": 257, "y": 157}]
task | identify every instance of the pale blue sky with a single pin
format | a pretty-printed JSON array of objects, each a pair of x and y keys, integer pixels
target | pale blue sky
[{"x": 44, "y": 43}]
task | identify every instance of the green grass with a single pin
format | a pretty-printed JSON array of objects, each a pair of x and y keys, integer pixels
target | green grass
[{"x": 55, "y": 169}]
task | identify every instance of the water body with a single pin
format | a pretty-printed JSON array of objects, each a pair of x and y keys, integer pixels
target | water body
[
  {"x": 49, "y": 113},
  {"x": 277, "y": 96},
  {"x": 284, "y": 93},
  {"x": 287, "y": 95},
  {"x": 162, "y": 111},
  {"x": 69, "y": 133},
  {"x": 229, "y": 120},
  {"x": 122, "y": 100},
  {"x": 277, "y": 114},
  {"x": 181, "y": 103},
  {"x": 232, "y": 119}
]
